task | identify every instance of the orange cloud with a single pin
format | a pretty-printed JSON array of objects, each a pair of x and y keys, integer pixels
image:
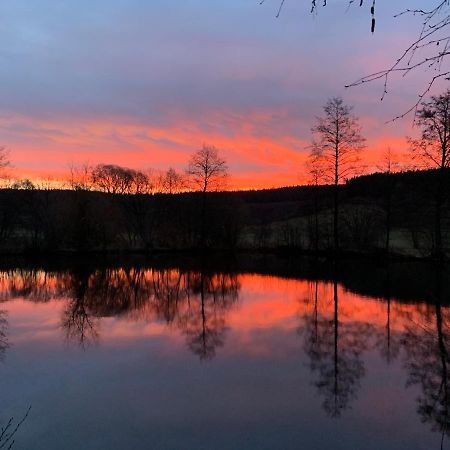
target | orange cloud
[{"x": 263, "y": 148}]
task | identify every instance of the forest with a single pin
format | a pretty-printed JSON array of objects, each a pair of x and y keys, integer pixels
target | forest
[{"x": 379, "y": 213}]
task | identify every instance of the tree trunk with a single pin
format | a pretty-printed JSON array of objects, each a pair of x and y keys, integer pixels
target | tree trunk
[
  {"x": 336, "y": 340},
  {"x": 203, "y": 222},
  {"x": 316, "y": 219},
  {"x": 438, "y": 215},
  {"x": 388, "y": 216},
  {"x": 336, "y": 218},
  {"x": 336, "y": 194}
]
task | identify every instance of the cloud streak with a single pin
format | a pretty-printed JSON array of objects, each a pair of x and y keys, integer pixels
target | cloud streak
[{"x": 146, "y": 83}]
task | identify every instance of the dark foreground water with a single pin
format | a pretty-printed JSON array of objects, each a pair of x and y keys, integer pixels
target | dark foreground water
[{"x": 162, "y": 357}]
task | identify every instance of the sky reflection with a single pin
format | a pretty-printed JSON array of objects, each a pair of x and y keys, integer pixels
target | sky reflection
[{"x": 184, "y": 359}]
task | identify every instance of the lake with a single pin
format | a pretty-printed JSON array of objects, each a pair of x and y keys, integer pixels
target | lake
[{"x": 259, "y": 353}]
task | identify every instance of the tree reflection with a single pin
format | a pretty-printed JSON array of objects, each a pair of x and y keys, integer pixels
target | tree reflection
[
  {"x": 169, "y": 292},
  {"x": 427, "y": 360},
  {"x": 203, "y": 321},
  {"x": 79, "y": 323},
  {"x": 33, "y": 284},
  {"x": 195, "y": 303},
  {"x": 334, "y": 348},
  {"x": 387, "y": 342},
  {"x": 4, "y": 344}
]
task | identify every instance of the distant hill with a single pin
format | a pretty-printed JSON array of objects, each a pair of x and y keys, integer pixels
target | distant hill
[{"x": 296, "y": 218}]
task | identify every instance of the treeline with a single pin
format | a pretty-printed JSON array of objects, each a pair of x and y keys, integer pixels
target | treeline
[
  {"x": 407, "y": 281},
  {"x": 65, "y": 220},
  {"x": 379, "y": 212}
]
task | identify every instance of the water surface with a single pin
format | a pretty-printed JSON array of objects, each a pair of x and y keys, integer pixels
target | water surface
[{"x": 151, "y": 356}]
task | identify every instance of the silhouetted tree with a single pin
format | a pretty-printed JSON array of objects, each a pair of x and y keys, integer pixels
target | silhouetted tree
[
  {"x": 111, "y": 179},
  {"x": 433, "y": 149},
  {"x": 337, "y": 142},
  {"x": 25, "y": 184},
  {"x": 4, "y": 160},
  {"x": 316, "y": 175},
  {"x": 172, "y": 182},
  {"x": 114, "y": 179},
  {"x": 80, "y": 177},
  {"x": 207, "y": 171}
]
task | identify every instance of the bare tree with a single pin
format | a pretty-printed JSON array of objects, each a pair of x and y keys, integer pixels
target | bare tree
[
  {"x": 114, "y": 179},
  {"x": 171, "y": 181},
  {"x": 141, "y": 182},
  {"x": 433, "y": 150},
  {"x": 4, "y": 159},
  {"x": 429, "y": 50},
  {"x": 207, "y": 169},
  {"x": 80, "y": 177},
  {"x": 337, "y": 142},
  {"x": 111, "y": 178},
  {"x": 4, "y": 164}
]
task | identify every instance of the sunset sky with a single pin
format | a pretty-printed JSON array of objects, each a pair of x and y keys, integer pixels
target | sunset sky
[{"x": 145, "y": 83}]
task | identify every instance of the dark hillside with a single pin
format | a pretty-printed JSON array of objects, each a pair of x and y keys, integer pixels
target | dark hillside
[{"x": 293, "y": 217}]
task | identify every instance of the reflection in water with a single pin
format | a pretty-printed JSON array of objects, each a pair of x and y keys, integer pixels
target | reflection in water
[
  {"x": 387, "y": 342},
  {"x": 3, "y": 335},
  {"x": 337, "y": 329},
  {"x": 203, "y": 321},
  {"x": 194, "y": 302},
  {"x": 427, "y": 360},
  {"x": 334, "y": 349},
  {"x": 78, "y": 321}
]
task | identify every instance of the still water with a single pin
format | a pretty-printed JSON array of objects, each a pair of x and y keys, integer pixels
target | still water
[{"x": 266, "y": 355}]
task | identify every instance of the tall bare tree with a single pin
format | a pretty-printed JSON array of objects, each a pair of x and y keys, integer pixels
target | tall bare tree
[
  {"x": 337, "y": 142},
  {"x": 207, "y": 171},
  {"x": 433, "y": 150}
]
